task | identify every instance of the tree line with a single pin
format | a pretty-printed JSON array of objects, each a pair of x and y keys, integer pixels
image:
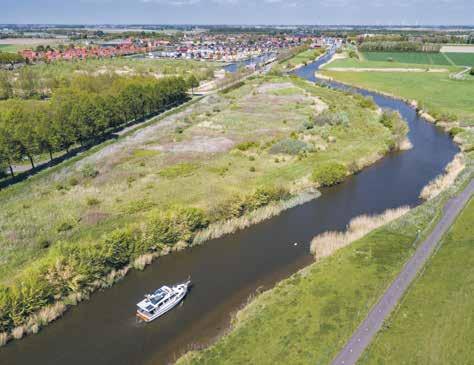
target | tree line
[
  {"x": 81, "y": 113},
  {"x": 403, "y": 46}
]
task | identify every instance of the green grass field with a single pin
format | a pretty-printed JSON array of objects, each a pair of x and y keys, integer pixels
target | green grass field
[
  {"x": 462, "y": 59},
  {"x": 434, "y": 323},
  {"x": 355, "y": 63},
  {"x": 12, "y": 48},
  {"x": 436, "y": 91},
  {"x": 409, "y": 57},
  {"x": 193, "y": 152}
]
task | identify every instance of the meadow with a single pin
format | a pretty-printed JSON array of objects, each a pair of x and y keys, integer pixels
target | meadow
[
  {"x": 302, "y": 58},
  {"x": 442, "y": 96},
  {"x": 434, "y": 322},
  {"x": 422, "y": 58}
]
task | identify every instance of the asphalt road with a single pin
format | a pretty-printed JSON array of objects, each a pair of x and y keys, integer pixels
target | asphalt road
[{"x": 374, "y": 321}]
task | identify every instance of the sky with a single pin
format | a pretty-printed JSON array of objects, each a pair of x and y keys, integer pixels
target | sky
[{"x": 379, "y": 12}]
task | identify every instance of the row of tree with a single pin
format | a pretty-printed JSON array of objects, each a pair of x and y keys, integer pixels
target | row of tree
[
  {"x": 81, "y": 113},
  {"x": 403, "y": 46}
]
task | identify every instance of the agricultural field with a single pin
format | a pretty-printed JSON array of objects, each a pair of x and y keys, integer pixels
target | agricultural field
[
  {"x": 442, "y": 96},
  {"x": 462, "y": 59},
  {"x": 262, "y": 133},
  {"x": 355, "y": 63},
  {"x": 421, "y": 58},
  {"x": 434, "y": 323}
]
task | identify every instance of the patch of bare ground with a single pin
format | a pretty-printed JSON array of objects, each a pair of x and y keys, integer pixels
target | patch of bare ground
[
  {"x": 405, "y": 145},
  {"x": 203, "y": 144},
  {"x": 94, "y": 217},
  {"x": 329, "y": 242}
]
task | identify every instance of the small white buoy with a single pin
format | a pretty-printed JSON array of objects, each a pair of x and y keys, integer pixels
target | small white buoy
[{"x": 295, "y": 244}]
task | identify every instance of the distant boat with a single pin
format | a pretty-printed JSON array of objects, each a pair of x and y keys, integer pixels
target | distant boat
[{"x": 161, "y": 301}]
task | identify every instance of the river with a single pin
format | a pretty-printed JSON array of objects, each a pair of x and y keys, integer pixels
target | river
[{"x": 228, "y": 270}]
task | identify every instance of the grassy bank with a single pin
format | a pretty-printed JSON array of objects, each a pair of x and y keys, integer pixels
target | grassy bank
[
  {"x": 434, "y": 322},
  {"x": 80, "y": 226}
]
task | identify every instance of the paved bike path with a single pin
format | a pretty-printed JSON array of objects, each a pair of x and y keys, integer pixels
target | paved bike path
[{"x": 365, "y": 333}]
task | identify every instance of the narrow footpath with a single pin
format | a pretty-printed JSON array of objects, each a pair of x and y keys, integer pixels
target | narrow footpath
[{"x": 364, "y": 335}]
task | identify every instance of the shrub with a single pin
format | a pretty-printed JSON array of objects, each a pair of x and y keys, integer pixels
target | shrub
[
  {"x": 472, "y": 71},
  {"x": 289, "y": 146},
  {"x": 331, "y": 118},
  {"x": 92, "y": 201},
  {"x": 393, "y": 121},
  {"x": 329, "y": 173},
  {"x": 73, "y": 181},
  {"x": 365, "y": 101},
  {"x": 252, "y": 169},
  {"x": 65, "y": 226},
  {"x": 245, "y": 146},
  {"x": 455, "y": 130},
  {"x": 88, "y": 170}
]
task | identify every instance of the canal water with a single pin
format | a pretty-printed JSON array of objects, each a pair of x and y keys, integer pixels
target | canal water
[{"x": 228, "y": 270}]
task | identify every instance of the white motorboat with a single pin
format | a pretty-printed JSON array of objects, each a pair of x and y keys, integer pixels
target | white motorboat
[{"x": 161, "y": 301}]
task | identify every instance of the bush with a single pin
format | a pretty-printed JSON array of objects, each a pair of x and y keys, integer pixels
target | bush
[
  {"x": 92, "y": 201},
  {"x": 329, "y": 173},
  {"x": 289, "y": 146},
  {"x": 89, "y": 170},
  {"x": 331, "y": 118},
  {"x": 366, "y": 101},
  {"x": 238, "y": 205},
  {"x": 472, "y": 71},
  {"x": 455, "y": 130},
  {"x": 245, "y": 146}
]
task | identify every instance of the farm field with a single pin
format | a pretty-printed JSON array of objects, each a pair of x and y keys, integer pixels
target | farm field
[
  {"x": 355, "y": 63},
  {"x": 462, "y": 59},
  {"x": 440, "y": 95},
  {"x": 434, "y": 323},
  {"x": 422, "y": 58},
  {"x": 205, "y": 152}
]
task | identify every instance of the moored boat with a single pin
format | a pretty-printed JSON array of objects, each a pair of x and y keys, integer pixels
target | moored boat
[{"x": 161, "y": 301}]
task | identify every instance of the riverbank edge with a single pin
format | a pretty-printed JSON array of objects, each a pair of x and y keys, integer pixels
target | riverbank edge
[
  {"x": 52, "y": 312},
  {"x": 258, "y": 299}
]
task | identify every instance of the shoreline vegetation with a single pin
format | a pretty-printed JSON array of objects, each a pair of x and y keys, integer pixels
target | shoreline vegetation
[
  {"x": 68, "y": 267},
  {"x": 325, "y": 295}
]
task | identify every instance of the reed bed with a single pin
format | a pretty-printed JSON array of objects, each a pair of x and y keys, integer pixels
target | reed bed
[
  {"x": 220, "y": 229},
  {"x": 405, "y": 145},
  {"x": 3, "y": 338},
  {"x": 327, "y": 243},
  {"x": 441, "y": 182}
]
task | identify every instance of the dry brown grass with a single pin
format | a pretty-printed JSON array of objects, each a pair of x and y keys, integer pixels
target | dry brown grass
[
  {"x": 445, "y": 180},
  {"x": 405, "y": 145},
  {"x": 3, "y": 338},
  {"x": 327, "y": 243},
  {"x": 18, "y": 332},
  {"x": 144, "y": 260},
  {"x": 220, "y": 229}
]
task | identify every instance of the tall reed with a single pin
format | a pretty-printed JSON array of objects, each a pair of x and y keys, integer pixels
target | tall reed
[
  {"x": 327, "y": 243},
  {"x": 443, "y": 181}
]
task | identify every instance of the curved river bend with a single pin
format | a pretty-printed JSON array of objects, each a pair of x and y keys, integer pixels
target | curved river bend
[{"x": 226, "y": 271}]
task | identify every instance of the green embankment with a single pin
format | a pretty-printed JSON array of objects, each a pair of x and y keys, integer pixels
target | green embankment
[{"x": 434, "y": 323}]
